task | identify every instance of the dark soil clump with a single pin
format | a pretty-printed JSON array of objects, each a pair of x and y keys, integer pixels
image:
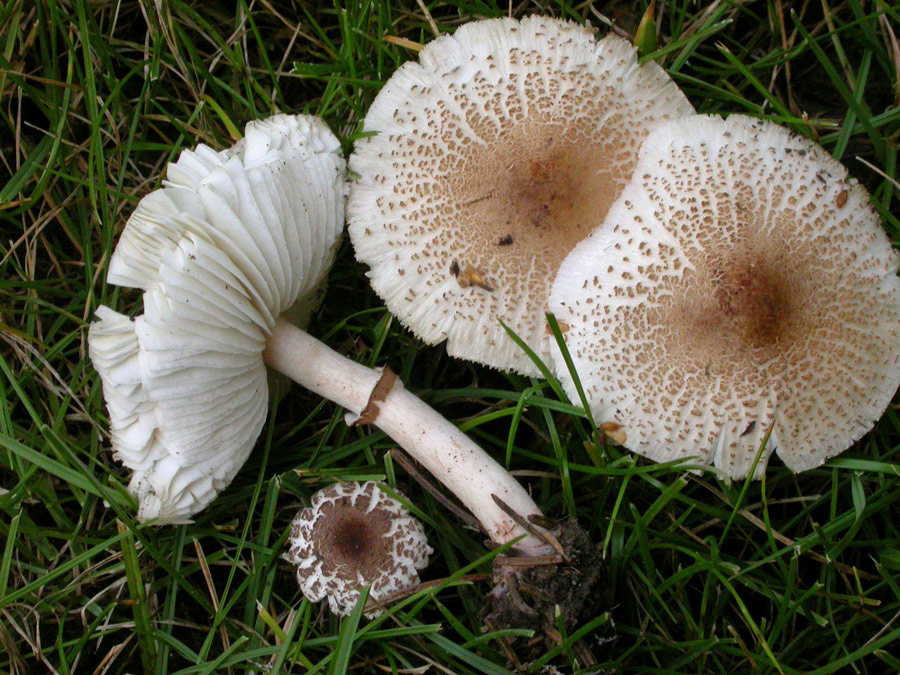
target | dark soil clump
[{"x": 553, "y": 598}]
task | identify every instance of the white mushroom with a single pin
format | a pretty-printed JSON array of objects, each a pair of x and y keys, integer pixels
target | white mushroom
[
  {"x": 354, "y": 535},
  {"x": 492, "y": 157},
  {"x": 231, "y": 242},
  {"x": 741, "y": 284}
]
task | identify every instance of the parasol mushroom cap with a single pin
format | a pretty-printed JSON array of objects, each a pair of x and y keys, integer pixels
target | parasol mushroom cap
[
  {"x": 742, "y": 282},
  {"x": 491, "y": 158},
  {"x": 231, "y": 241},
  {"x": 354, "y": 535}
]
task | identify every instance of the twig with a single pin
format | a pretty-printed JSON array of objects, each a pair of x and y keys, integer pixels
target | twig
[
  {"x": 531, "y": 529},
  {"x": 506, "y": 648},
  {"x": 433, "y": 490},
  {"x": 390, "y": 598}
]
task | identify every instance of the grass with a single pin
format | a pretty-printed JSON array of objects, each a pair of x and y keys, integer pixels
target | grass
[{"x": 797, "y": 573}]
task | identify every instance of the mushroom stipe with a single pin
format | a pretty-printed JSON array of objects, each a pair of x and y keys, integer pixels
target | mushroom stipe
[{"x": 224, "y": 252}]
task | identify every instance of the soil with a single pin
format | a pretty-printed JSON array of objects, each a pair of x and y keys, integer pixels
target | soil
[{"x": 553, "y": 600}]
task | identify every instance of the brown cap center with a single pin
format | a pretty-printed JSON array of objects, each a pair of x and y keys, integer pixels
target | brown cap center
[
  {"x": 543, "y": 185},
  {"x": 353, "y": 539},
  {"x": 752, "y": 303},
  {"x": 741, "y": 306}
]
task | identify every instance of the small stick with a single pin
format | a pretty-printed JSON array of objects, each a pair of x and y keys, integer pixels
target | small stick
[
  {"x": 506, "y": 648},
  {"x": 541, "y": 520},
  {"x": 512, "y": 587},
  {"x": 431, "y": 489},
  {"x": 535, "y": 592},
  {"x": 529, "y": 561},
  {"x": 584, "y": 654},
  {"x": 406, "y": 592},
  {"x": 531, "y": 529}
]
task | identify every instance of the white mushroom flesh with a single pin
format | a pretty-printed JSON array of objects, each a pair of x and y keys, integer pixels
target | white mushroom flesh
[
  {"x": 232, "y": 241},
  {"x": 741, "y": 283}
]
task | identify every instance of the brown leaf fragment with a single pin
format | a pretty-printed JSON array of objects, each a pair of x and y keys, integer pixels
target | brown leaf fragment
[
  {"x": 614, "y": 432},
  {"x": 841, "y": 198},
  {"x": 379, "y": 393},
  {"x": 472, "y": 277},
  {"x": 563, "y": 327}
]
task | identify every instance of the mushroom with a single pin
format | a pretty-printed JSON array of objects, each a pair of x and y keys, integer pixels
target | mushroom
[
  {"x": 491, "y": 158},
  {"x": 222, "y": 252},
  {"x": 354, "y": 535},
  {"x": 741, "y": 298},
  {"x": 230, "y": 242}
]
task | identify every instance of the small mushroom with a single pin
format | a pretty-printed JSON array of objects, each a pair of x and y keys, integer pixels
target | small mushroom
[
  {"x": 223, "y": 252},
  {"x": 741, "y": 290},
  {"x": 354, "y": 535},
  {"x": 493, "y": 156}
]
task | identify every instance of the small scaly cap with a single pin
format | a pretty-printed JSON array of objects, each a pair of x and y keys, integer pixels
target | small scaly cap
[{"x": 354, "y": 535}]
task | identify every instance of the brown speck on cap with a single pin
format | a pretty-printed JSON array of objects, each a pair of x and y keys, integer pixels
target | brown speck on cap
[
  {"x": 746, "y": 297},
  {"x": 518, "y": 132}
]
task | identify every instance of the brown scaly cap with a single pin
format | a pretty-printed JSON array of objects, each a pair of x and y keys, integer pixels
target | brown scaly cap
[
  {"x": 354, "y": 535},
  {"x": 741, "y": 282},
  {"x": 492, "y": 157}
]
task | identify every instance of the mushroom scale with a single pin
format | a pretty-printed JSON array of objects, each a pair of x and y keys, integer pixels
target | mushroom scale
[
  {"x": 231, "y": 241},
  {"x": 742, "y": 282},
  {"x": 493, "y": 156},
  {"x": 353, "y": 535}
]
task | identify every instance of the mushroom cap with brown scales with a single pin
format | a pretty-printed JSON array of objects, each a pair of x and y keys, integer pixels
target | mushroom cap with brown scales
[
  {"x": 491, "y": 157},
  {"x": 741, "y": 283},
  {"x": 354, "y": 535}
]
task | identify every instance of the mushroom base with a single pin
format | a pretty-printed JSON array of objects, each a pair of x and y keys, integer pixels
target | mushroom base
[{"x": 541, "y": 597}]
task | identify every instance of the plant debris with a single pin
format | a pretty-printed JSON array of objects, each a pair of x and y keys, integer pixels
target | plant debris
[{"x": 551, "y": 596}]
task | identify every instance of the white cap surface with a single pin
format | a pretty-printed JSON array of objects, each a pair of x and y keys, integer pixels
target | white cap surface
[
  {"x": 742, "y": 282},
  {"x": 354, "y": 535},
  {"x": 502, "y": 147},
  {"x": 231, "y": 241}
]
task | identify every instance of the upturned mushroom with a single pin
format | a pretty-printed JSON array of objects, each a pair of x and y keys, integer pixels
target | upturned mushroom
[
  {"x": 222, "y": 252},
  {"x": 740, "y": 297},
  {"x": 488, "y": 160},
  {"x": 354, "y": 535},
  {"x": 232, "y": 240}
]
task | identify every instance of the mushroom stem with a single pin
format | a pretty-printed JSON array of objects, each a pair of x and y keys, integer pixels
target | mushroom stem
[{"x": 451, "y": 456}]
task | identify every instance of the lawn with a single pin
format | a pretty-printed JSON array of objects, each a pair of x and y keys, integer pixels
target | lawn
[{"x": 794, "y": 573}]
